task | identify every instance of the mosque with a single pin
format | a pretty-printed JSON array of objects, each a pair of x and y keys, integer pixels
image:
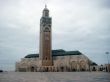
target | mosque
[{"x": 49, "y": 60}]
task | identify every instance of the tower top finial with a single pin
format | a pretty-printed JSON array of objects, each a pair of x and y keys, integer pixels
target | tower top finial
[
  {"x": 45, "y": 6},
  {"x": 45, "y": 11}
]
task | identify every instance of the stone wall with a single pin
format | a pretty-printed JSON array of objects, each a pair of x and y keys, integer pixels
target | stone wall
[{"x": 61, "y": 63}]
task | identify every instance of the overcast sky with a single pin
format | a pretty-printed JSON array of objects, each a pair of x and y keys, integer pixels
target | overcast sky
[{"x": 82, "y": 25}]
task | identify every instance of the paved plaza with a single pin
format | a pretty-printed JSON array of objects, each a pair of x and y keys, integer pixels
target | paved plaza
[{"x": 55, "y": 77}]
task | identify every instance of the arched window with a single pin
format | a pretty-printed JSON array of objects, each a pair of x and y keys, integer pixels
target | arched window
[
  {"x": 46, "y": 29},
  {"x": 46, "y": 13}
]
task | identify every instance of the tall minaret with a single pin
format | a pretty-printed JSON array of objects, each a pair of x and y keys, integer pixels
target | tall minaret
[{"x": 45, "y": 39}]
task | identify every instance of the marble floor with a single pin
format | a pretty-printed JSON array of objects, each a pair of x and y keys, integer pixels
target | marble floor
[{"x": 55, "y": 77}]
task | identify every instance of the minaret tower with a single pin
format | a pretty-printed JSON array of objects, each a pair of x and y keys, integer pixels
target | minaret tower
[{"x": 45, "y": 38}]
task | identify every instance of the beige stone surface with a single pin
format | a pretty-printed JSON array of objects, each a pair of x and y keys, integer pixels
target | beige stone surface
[{"x": 72, "y": 62}]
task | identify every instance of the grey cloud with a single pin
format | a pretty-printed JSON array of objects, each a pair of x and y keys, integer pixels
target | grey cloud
[{"x": 77, "y": 25}]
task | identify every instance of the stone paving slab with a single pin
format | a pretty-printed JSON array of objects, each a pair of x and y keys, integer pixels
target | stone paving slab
[{"x": 55, "y": 77}]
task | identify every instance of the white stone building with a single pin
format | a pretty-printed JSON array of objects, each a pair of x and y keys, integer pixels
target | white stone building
[
  {"x": 52, "y": 60},
  {"x": 62, "y": 61}
]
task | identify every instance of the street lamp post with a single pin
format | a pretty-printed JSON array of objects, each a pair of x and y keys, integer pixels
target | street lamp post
[
  {"x": 89, "y": 65},
  {"x": 107, "y": 53}
]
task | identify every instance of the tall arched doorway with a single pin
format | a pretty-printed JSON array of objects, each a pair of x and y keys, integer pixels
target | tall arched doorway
[
  {"x": 73, "y": 66},
  {"x": 82, "y": 65},
  {"x": 61, "y": 67},
  {"x": 32, "y": 69},
  {"x": 94, "y": 69}
]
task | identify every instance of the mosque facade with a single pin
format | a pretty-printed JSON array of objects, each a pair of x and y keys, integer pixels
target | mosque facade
[{"x": 49, "y": 60}]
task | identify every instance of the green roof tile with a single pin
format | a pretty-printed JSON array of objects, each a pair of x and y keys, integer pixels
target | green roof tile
[{"x": 59, "y": 52}]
